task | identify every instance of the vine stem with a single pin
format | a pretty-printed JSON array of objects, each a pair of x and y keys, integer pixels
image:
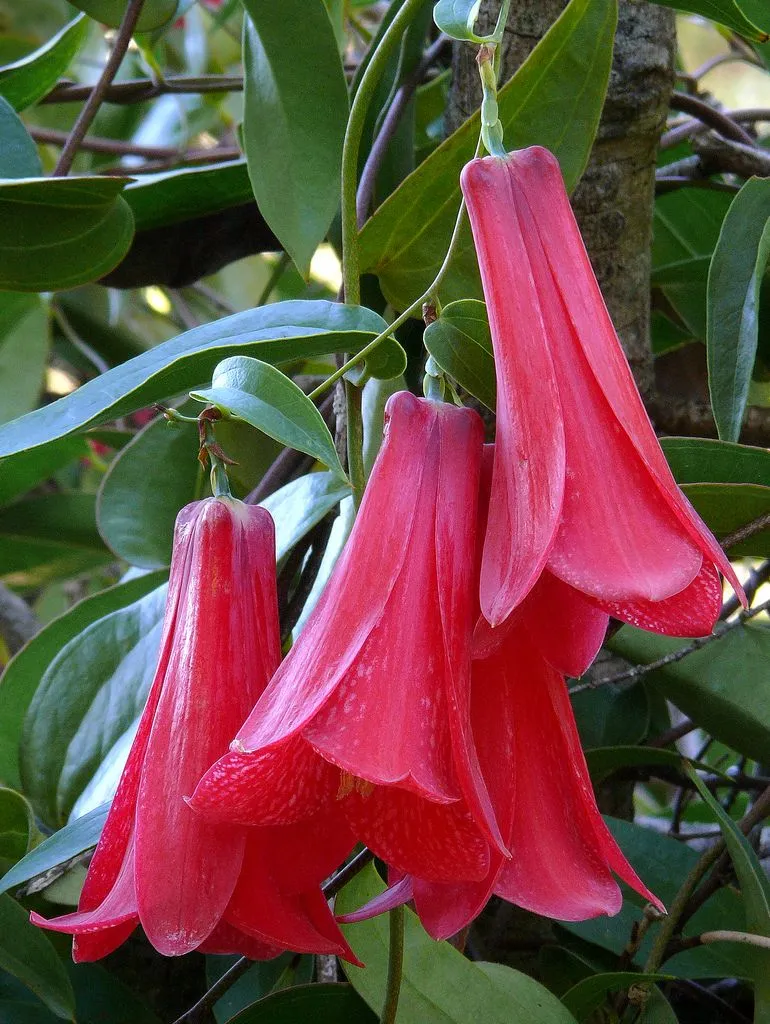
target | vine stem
[
  {"x": 669, "y": 924},
  {"x": 415, "y": 307},
  {"x": 395, "y": 966},
  {"x": 94, "y": 101},
  {"x": 352, "y": 145}
]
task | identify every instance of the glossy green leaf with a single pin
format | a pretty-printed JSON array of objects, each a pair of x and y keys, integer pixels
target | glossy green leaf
[
  {"x": 61, "y": 232},
  {"x": 588, "y": 995},
  {"x": 53, "y": 536},
  {"x": 16, "y": 825},
  {"x": 686, "y": 227},
  {"x": 260, "y": 980},
  {"x": 725, "y": 12},
  {"x": 663, "y": 863},
  {"x": 321, "y": 1004},
  {"x": 24, "y": 339},
  {"x": 405, "y": 242},
  {"x": 386, "y": 362},
  {"x": 16, "y": 1011},
  {"x": 755, "y": 887},
  {"x": 724, "y": 687},
  {"x": 277, "y": 333},
  {"x": 300, "y": 505},
  {"x": 734, "y": 280},
  {"x": 27, "y": 953},
  {"x": 101, "y": 998},
  {"x": 27, "y": 80},
  {"x": 111, "y": 12},
  {"x": 727, "y": 507},
  {"x": 293, "y": 142},
  {"x": 756, "y": 891},
  {"x": 18, "y": 152},
  {"x": 340, "y": 532},
  {"x": 456, "y": 18},
  {"x": 706, "y": 460},
  {"x": 439, "y": 985},
  {"x": 461, "y": 344},
  {"x": 753, "y": 881},
  {"x": 612, "y": 715},
  {"x": 67, "y": 731},
  {"x": 173, "y": 196},
  {"x": 727, "y": 483},
  {"x": 657, "y": 1010},
  {"x": 79, "y": 835},
  {"x": 25, "y": 670},
  {"x": 603, "y": 761},
  {"x": 151, "y": 479},
  {"x": 248, "y": 389}
]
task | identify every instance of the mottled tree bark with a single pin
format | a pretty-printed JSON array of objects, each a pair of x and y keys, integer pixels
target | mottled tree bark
[{"x": 613, "y": 201}]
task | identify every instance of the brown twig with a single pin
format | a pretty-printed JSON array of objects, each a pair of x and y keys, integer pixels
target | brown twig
[
  {"x": 388, "y": 129},
  {"x": 195, "y": 157},
  {"x": 756, "y": 578},
  {"x": 676, "y": 732},
  {"x": 95, "y": 99},
  {"x": 97, "y": 144},
  {"x": 744, "y": 532},
  {"x": 719, "y": 156},
  {"x": 138, "y": 90},
  {"x": 716, "y": 119},
  {"x": 674, "y": 656}
]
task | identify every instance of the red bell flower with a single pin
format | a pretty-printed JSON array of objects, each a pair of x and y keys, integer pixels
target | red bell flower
[
  {"x": 191, "y": 883},
  {"x": 562, "y": 856},
  {"x": 580, "y": 485},
  {"x": 370, "y": 711}
]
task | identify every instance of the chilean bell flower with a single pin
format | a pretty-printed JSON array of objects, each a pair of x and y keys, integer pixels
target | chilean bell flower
[
  {"x": 191, "y": 883},
  {"x": 561, "y": 855},
  {"x": 580, "y": 485},
  {"x": 370, "y": 711}
]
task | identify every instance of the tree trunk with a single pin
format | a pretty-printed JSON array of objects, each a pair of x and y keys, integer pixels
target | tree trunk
[{"x": 613, "y": 201}]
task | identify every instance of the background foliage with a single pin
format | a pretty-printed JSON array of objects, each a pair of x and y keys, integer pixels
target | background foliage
[{"x": 188, "y": 241}]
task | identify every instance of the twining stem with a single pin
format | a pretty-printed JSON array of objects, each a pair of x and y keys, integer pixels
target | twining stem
[
  {"x": 94, "y": 101},
  {"x": 395, "y": 966},
  {"x": 670, "y": 923},
  {"x": 427, "y": 296},
  {"x": 352, "y": 145},
  {"x": 355, "y": 441},
  {"x": 276, "y": 274}
]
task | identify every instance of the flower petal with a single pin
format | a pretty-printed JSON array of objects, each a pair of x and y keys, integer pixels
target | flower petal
[
  {"x": 396, "y": 895},
  {"x": 186, "y": 867},
  {"x": 101, "y": 930},
  {"x": 227, "y": 939},
  {"x": 416, "y": 836},
  {"x": 561, "y": 852},
  {"x": 618, "y": 537},
  {"x": 263, "y": 788},
  {"x": 299, "y": 920},
  {"x": 692, "y": 612},
  {"x": 349, "y": 607},
  {"x": 529, "y": 466},
  {"x": 538, "y": 174},
  {"x": 567, "y": 627}
]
